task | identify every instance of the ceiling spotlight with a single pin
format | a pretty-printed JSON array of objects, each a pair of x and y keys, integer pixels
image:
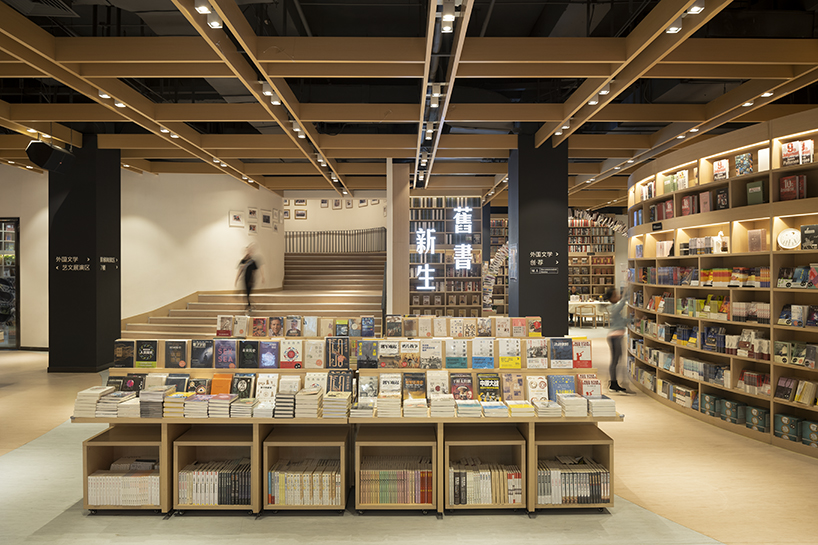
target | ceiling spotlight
[
  {"x": 558, "y": 132},
  {"x": 748, "y": 104},
  {"x": 174, "y": 135},
  {"x": 11, "y": 162},
  {"x": 593, "y": 179},
  {"x": 435, "y": 89},
  {"x": 119, "y": 104},
  {"x": 302, "y": 134},
  {"x": 630, "y": 161},
  {"x": 103, "y": 94},
  {"x": 448, "y": 10},
  {"x": 420, "y": 176},
  {"x": 214, "y": 21},
  {"x": 163, "y": 130},
  {"x": 222, "y": 165},
  {"x": 594, "y": 101},
  {"x": 430, "y": 128},
  {"x": 215, "y": 160},
  {"x": 45, "y": 135},
  {"x": 29, "y": 167},
  {"x": 266, "y": 90},
  {"x": 274, "y": 100},
  {"x": 428, "y": 136},
  {"x": 605, "y": 90},
  {"x": 694, "y": 129},
  {"x": 567, "y": 125},
  {"x": 617, "y": 168},
  {"x": 344, "y": 192},
  {"x": 296, "y": 126},
  {"x": 696, "y": 8},
  {"x": 203, "y": 7},
  {"x": 244, "y": 177},
  {"x": 126, "y": 166},
  {"x": 767, "y": 94},
  {"x": 435, "y": 102},
  {"x": 31, "y": 130},
  {"x": 446, "y": 28},
  {"x": 675, "y": 27},
  {"x": 587, "y": 181},
  {"x": 680, "y": 137}
]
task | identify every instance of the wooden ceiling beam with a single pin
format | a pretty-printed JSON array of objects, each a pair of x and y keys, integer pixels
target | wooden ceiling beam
[
  {"x": 154, "y": 49},
  {"x": 470, "y": 168},
  {"x": 544, "y": 50},
  {"x": 745, "y": 51},
  {"x": 342, "y": 70},
  {"x": 583, "y": 168},
  {"x": 291, "y": 49},
  {"x": 359, "y": 113},
  {"x": 719, "y": 71},
  {"x": 535, "y": 70}
]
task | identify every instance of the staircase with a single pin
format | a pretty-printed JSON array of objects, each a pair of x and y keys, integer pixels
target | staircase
[{"x": 337, "y": 285}]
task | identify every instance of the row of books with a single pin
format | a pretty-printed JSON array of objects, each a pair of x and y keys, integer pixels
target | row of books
[
  {"x": 130, "y": 481},
  {"x": 797, "y": 390},
  {"x": 716, "y": 277},
  {"x": 799, "y": 315},
  {"x": 474, "y": 482},
  {"x": 427, "y": 214},
  {"x": 344, "y": 353},
  {"x": 447, "y": 202},
  {"x": 796, "y": 353},
  {"x": 589, "y": 231},
  {"x": 572, "y": 480},
  {"x": 794, "y": 428},
  {"x": 585, "y": 248},
  {"x": 803, "y": 276},
  {"x": 451, "y": 299},
  {"x": 703, "y": 202},
  {"x": 406, "y": 480},
  {"x": 307, "y": 482},
  {"x": 797, "y": 152},
  {"x": 591, "y": 240},
  {"x": 215, "y": 483},
  {"x": 792, "y": 187}
]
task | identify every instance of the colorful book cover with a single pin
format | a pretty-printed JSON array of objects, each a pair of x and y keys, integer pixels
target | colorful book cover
[
  {"x": 268, "y": 358},
  {"x": 123, "y": 353},
  {"x": 388, "y": 354},
  {"x": 224, "y": 326},
  {"x": 744, "y": 164},
  {"x": 339, "y": 380},
  {"x": 461, "y": 385},
  {"x": 806, "y": 155},
  {"x": 367, "y": 354},
  {"x": 537, "y": 386},
  {"x": 518, "y": 327},
  {"x": 342, "y": 327},
  {"x": 513, "y": 386},
  {"x": 410, "y": 354},
  {"x": 199, "y": 386},
  {"x": 534, "y": 324},
  {"x": 394, "y": 325},
  {"x": 558, "y": 384},
  {"x": 488, "y": 386},
  {"x": 788, "y": 188},
  {"x": 562, "y": 354},
  {"x": 337, "y": 352},
  {"x": 249, "y": 354},
  {"x": 225, "y": 353},
  {"x": 201, "y": 354},
  {"x": 147, "y": 355},
  {"x": 290, "y": 354},
  {"x": 242, "y": 385},
  {"x": 367, "y": 326},
  {"x": 354, "y": 327},
  {"x": 582, "y": 354},
  {"x": 431, "y": 354},
  {"x": 484, "y": 326},
  {"x": 259, "y": 328},
  {"x": 275, "y": 326},
  {"x": 791, "y": 153},
  {"x": 536, "y": 353},
  {"x": 414, "y": 385},
  {"x": 293, "y": 326},
  {"x": 755, "y": 192},
  {"x": 722, "y": 199},
  {"x": 314, "y": 354},
  {"x": 456, "y": 354},
  {"x": 482, "y": 353},
  {"x": 469, "y": 328},
  {"x": 809, "y": 237},
  {"x": 509, "y": 353},
  {"x": 721, "y": 169}
]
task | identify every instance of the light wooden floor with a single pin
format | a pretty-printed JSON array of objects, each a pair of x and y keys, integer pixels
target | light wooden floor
[{"x": 731, "y": 488}]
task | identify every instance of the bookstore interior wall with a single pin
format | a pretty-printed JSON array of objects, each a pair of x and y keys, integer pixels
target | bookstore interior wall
[
  {"x": 323, "y": 213},
  {"x": 723, "y": 257},
  {"x": 176, "y": 239},
  {"x": 25, "y": 195}
]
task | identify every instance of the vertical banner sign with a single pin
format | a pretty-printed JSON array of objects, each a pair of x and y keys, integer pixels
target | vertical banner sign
[{"x": 425, "y": 244}]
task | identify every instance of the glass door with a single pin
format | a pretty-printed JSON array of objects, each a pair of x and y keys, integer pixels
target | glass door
[{"x": 9, "y": 283}]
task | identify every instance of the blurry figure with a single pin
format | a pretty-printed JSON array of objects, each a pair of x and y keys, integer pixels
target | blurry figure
[
  {"x": 249, "y": 265},
  {"x": 616, "y": 334}
]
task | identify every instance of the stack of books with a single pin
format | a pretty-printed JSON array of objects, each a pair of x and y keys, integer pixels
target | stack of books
[
  {"x": 388, "y": 407},
  {"x": 128, "y": 409},
  {"x": 443, "y": 406},
  {"x": 264, "y": 409},
  {"x": 243, "y": 408},
  {"x": 219, "y": 405},
  {"x": 469, "y": 408},
  {"x": 602, "y": 406},
  {"x": 152, "y": 400},
  {"x": 415, "y": 408},
  {"x": 336, "y": 404},
  {"x": 309, "y": 402},
  {"x": 521, "y": 409},
  {"x": 196, "y": 406},
  {"x": 85, "y": 406},
  {"x": 495, "y": 409},
  {"x": 573, "y": 404},
  {"x": 548, "y": 409},
  {"x": 285, "y": 398},
  {"x": 364, "y": 408},
  {"x": 174, "y": 406},
  {"x": 108, "y": 405}
]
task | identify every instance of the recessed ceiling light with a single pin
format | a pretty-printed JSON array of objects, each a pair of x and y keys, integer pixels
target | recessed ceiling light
[
  {"x": 11, "y": 162},
  {"x": 126, "y": 166},
  {"x": 694, "y": 129},
  {"x": 163, "y": 130},
  {"x": 119, "y": 104},
  {"x": 630, "y": 161},
  {"x": 174, "y": 135},
  {"x": 29, "y": 167},
  {"x": 587, "y": 181},
  {"x": 748, "y": 104},
  {"x": 617, "y": 168},
  {"x": 31, "y": 130},
  {"x": 45, "y": 135},
  {"x": 244, "y": 177},
  {"x": 222, "y": 165},
  {"x": 675, "y": 27},
  {"x": 696, "y": 8},
  {"x": 345, "y": 192},
  {"x": 215, "y": 160},
  {"x": 203, "y": 7},
  {"x": 680, "y": 137},
  {"x": 214, "y": 21},
  {"x": 767, "y": 94},
  {"x": 103, "y": 94}
]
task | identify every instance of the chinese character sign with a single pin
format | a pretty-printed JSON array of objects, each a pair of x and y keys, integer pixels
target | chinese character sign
[
  {"x": 425, "y": 275},
  {"x": 462, "y": 220},
  {"x": 425, "y": 241},
  {"x": 462, "y": 256}
]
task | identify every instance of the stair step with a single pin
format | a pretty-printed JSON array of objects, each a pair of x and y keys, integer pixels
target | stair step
[
  {"x": 211, "y": 315},
  {"x": 204, "y": 329},
  {"x": 182, "y": 320}
]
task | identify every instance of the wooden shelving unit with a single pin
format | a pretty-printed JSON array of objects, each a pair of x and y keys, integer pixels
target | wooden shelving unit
[
  {"x": 9, "y": 276},
  {"x": 764, "y": 143},
  {"x": 592, "y": 274}
]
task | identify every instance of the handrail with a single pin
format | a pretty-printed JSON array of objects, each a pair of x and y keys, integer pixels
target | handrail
[{"x": 336, "y": 242}]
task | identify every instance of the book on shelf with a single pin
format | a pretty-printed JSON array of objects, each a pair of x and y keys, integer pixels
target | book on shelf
[
  {"x": 744, "y": 164},
  {"x": 431, "y": 353},
  {"x": 225, "y": 353},
  {"x": 268, "y": 354},
  {"x": 248, "y": 354},
  {"x": 241, "y": 326},
  {"x": 722, "y": 199},
  {"x": 721, "y": 169},
  {"x": 509, "y": 353},
  {"x": 290, "y": 353},
  {"x": 757, "y": 240},
  {"x": 809, "y": 237},
  {"x": 146, "y": 354},
  {"x": 461, "y": 386},
  {"x": 314, "y": 357},
  {"x": 562, "y": 353},
  {"x": 488, "y": 386},
  {"x": 258, "y": 327},
  {"x": 124, "y": 353},
  {"x": 537, "y": 353},
  {"x": 409, "y": 354},
  {"x": 388, "y": 354},
  {"x": 482, "y": 353},
  {"x": 224, "y": 326},
  {"x": 293, "y": 326},
  {"x": 582, "y": 353},
  {"x": 755, "y": 192},
  {"x": 456, "y": 353}
]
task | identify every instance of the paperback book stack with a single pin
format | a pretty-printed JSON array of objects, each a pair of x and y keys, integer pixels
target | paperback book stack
[
  {"x": 85, "y": 406},
  {"x": 107, "y": 406},
  {"x": 415, "y": 408},
  {"x": 547, "y": 409},
  {"x": 219, "y": 405},
  {"x": 174, "y": 406},
  {"x": 128, "y": 409},
  {"x": 288, "y": 387},
  {"x": 152, "y": 400},
  {"x": 573, "y": 404},
  {"x": 495, "y": 409},
  {"x": 264, "y": 409},
  {"x": 364, "y": 408},
  {"x": 244, "y": 408},
  {"x": 196, "y": 406},
  {"x": 443, "y": 406},
  {"x": 388, "y": 406},
  {"x": 336, "y": 404},
  {"x": 309, "y": 402},
  {"x": 469, "y": 408},
  {"x": 601, "y": 406},
  {"x": 521, "y": 409}
]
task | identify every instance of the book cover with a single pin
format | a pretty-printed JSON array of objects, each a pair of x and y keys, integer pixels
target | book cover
[
  {"x": 799, "y": 315},
  {"x": 456, "y": 353},
  {"x": 410, "y": 354},
  {"x": 326, "y": 327},
  {"x": 241, "y": 326},
  {"x": 225, "y": 350},
  {"x": 537, "y": 386},
  {"x": 558, "y": 384},
  {"x": 437, "y": 383},
  {"x": 502, "y": 326},
  {"x": 388, "y": 354},
  {"x": 704, "y": 201},
  {"x": 518, "y": 327},
  {"x": 367, "y": 326},
  {"x": 394, "y": 325},
  {"x": 410, "y": 326},
  {"x": 243, "y": 385},
  {"x": 513, "y": 386},
  {"x": 470, "y": 328},
  {"x": 461, "y": 385},
  {"x": 484, "y": 326},
  {"x": 224, "y": 326},
  {"x": 791, "y": 153},
  {"x": 368, "y": 386},
  {"x": 722, "y": 199},
  {"x": 268, "y": 354},
  {"x": 482, "y": 353},
  {"x": 802, "y": 187},
  {"x": 354, "y": 327},
  {"x": 721, "y": 169},
  {"x": 313, "y": 354},
  {"x": 536, "y": 354},
  {"x": 534, "y": 326},
  {"x": 315, "y": 379},
  {"x": 509, "y": 353},
  {"x": 431, "y": 354},
  {"x": 788, "y": 188},
  {"x": 123, "y": 353},
  {"x": 668, "y": 206},
  {"x": 221, "y": 383},
  {"x": 686, "y": 206},
  {"x": 275, "y": 326},
  {"x": 414, "y": 385},
  {"x": 456, "y": 328},
  {"x": 337, "y": 352},
  {"x": 582, "y": 354},
  {"x": 488, "y": 386},
  {"x": 782, "y": 351},
  {"x": 757, "y": 240},
  {"x": 562, "y": 354},
  {"x": 199, "y": 386},
  {"x": 290, "y": 354},
  {"x": 342, "y": 327},
  {"x": 440, "y": 326},
  {"x": 391, "y": 385},
  {"x": 744, "y": 164},
  {"x": 259, "y": 327},
  {"x": 293, "y": 326},
  {"x": 133, "y": 382},
  {"x": 367, "y": 354},
  {"x": 309, "y": 326},
  {"x": 339, "y": 380},
  {"x": 812, "y": 316},
  {"x": 201, "y": 354},
  {"x": 425, "y": 328},
  {"x": 809, "y": 237},
  {"x": 798, "y": 354},
  {"x": 147, "y": 354},
  {"x": 806, "y": 151},
  {"x": 755, "y": 192},
  {"x": 249, "y": 354}
]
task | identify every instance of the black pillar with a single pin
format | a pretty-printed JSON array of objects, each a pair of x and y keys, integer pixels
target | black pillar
[
  {"x": 486, "y": 217},
  {"x": 538, "y": 229},
  {"x": 84, "y": 307}
]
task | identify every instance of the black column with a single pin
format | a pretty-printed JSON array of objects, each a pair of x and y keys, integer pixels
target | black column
[
  {"x": 538, "y": 228},
  {"x": 486, "y": 217},
  {"x": 84, "y": 248}
]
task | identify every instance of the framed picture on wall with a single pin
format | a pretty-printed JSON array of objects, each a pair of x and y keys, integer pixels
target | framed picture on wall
[
  {"x": 324, "y": 203},
  {"x": 276, "y": 215},
  {"x": 252, "y": 228},
  {"x": 285, "y": 202},
  {"x": 374, "y": 201},
  {"x": 236, "y": 218},
  {"x": 336, "y": 204},
  {"x": 300, "y": 214},
  {"x": 252, "y": 214},
  {"x": 349, "y": 203},
  {"x": 362, "y": 203},
  {"x": 300, "y": 202},
  {"x": 286, "y": 214},
  {"x": 266, "y": 219}
]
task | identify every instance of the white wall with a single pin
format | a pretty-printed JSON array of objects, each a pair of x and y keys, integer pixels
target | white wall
[
  {"x": 25, "y": 195},
  {"x": 176, "y": 239},
  {"x": 327, "y": 219}
]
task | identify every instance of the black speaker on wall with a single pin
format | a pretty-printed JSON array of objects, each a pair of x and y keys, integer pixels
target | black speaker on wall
[{"x": 49, "y": 157}]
